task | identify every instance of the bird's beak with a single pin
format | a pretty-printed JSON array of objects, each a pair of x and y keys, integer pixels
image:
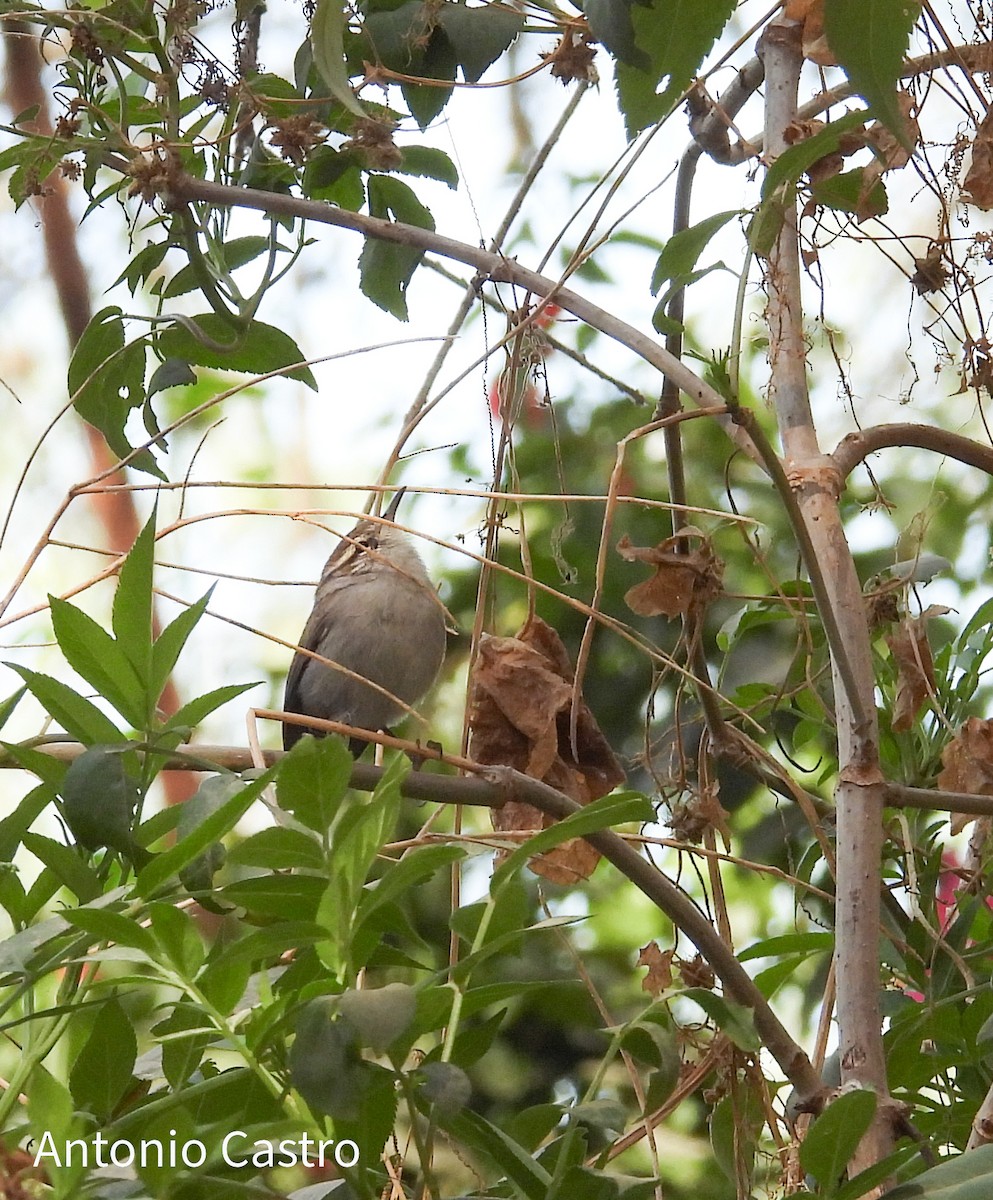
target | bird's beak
[{"x": 391, "y": 512}]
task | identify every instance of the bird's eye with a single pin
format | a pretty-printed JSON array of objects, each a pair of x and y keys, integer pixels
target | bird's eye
[{"x": 371, "y": 542}]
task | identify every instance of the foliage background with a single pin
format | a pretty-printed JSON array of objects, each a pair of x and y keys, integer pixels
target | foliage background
[{"x": 877, "y": 350}]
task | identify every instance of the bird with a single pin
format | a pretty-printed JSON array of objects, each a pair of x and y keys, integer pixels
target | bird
[{"x": 377, "y": 614}]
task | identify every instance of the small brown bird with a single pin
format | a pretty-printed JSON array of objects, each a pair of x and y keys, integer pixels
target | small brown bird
[{"x": 375, "y": 613}]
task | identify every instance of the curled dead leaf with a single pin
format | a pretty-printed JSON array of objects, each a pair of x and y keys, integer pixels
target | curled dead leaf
[
  {"x": 691, "y": 817},
  {"x": 683, "y": 584},
  {"x": 697, "y": 972},
  {"x": 520, "y": 702},
  {"x": 967, "y": 765},
  {"x": 810, "y": 14},
  {"x": 911, "y": 652},
  {"x": 931, "y": 274},
  {"x": 977, "y": 189}
]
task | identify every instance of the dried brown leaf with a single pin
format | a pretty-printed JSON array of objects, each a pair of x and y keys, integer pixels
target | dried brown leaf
[
  {"x": 697, "y": 972},
  {"x": 967, "y": 764},
  {"x": 519, "y": 712},
  {"x": 911, "y": 652},
  {"x": 889, "y": 154},
  {"x": 683, "y": 584},
  {"x": 692, "y": 817},
  {"x": 891, "y": 151},
  {"x": 967, "y": 760},
  {"x": 659, "y": 964},
  {"x": 931, "y": 274},
  {"x": 826, "y": 168},
  {"x": 815, "y": 44},
  {"x": 978, "y": 186}
]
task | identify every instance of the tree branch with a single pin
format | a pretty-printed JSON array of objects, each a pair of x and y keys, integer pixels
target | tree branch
[
  {"x": 856, "y": 447},
  {"x": 859, "y": 790},
  {"x": 185, "y": 189},
  {"x": 495, "y": 786}
]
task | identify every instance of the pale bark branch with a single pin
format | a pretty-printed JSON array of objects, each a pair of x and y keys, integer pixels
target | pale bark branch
[
  {"x": 859, "y": 792},
  {"x": 856, "y": 447}
]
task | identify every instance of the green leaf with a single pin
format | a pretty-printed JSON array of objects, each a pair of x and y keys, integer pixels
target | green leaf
[
  {"x": 106, "y": 381},
  {"x": 846, "y": 193},
  {"x": 593, "y": 1184},
  {"x": 268, "y": 943},
  {"x": 66, "y": 865},
  {"x": 80, "y": 718},
  {"x": 524, "y": 1171},
  {"x": 804, "y": 944},
  {"x": 359, "y": 831},
  {"x": 414, "y": 868},
  {"x": 735, "y": 1123},
  {"x": 103, "y": 1068},
  {"x": 279, "y": 849},
  {"x": 170, "y": 642},
  {"x": 173, "y": 372},
  {"x": 210, "y": 830},
  {"x": 39, "y": 157},
  {"x": 733, "y": 1019},
  {"x": 113, "y": 927},
  {"x": 288, "y": 897},
  {"x": 434, "y": 60},
  {"x": 256, "y": 350},
  {"x": 430, "y": 163},
  {"x": 834, "y": 1136},
  {"x": 93, "y": 654},
  {"x": 13, "y": 898},
  {"x": 981, "y": 619},
  {"x": 870, "y": 40},
  {"x": 184, "y": 1034},
  {"x": 236, "y": 253},
  {"x": 609, "y": 810},
  {"x": 479, "y": 35},
  {"x": 276, "y": 97},
  {"x": 610, "y": 23},
  {"x": 676, "y": 36},
  {"x": 476, "y": 1038},
  {"x": 142, "y": 266},
  {"x": 313, "y": 780},
  {"x": 327, "y": 37},
  {"x": 223, "y": 985},
  {"x": 509, "y": 942},
  {"x": 98, "y": 802},
  {"x": 50, "y": 1106},
  {"x": 680, "y": 253},
  {"x": 412, "y": 39},
  {"x": 394, "y": 36},
  {"x": 7, "y": 706},
  {"x": 14, "y": 826},
  {"x": 177, "y": 1126},
  {"x": 792, "y": 163},
  {"x": 385, "y": 268},
  {"x": 335, "y": 176},
  {"x": 882, "y": 1172},
  {"x": 651, "y": 1043},
  {"x": 178, "y": 937},
  {"x": 779, "y": 185},
  {"x": 194, "y": 711}
]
